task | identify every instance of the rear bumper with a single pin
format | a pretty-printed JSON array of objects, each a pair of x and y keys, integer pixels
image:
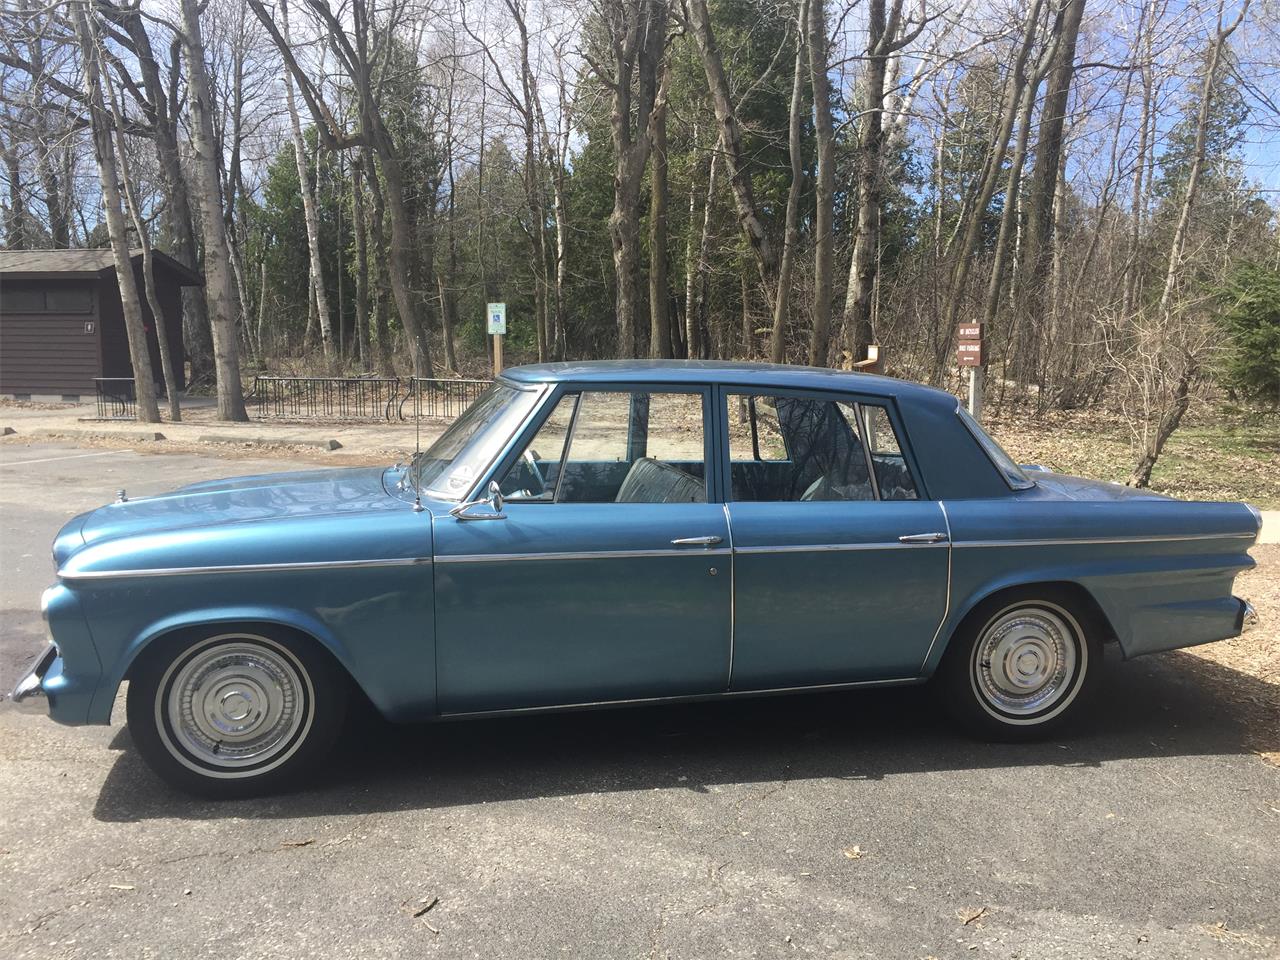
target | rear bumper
[
  {"x": 1247, "y": 618},
  {"x": 29, "y": 694}
]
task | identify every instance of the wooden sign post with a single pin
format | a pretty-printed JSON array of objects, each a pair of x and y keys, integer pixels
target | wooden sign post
[
  {"x": 971, "y": 352},
  {"x": 496, "y": 313}
]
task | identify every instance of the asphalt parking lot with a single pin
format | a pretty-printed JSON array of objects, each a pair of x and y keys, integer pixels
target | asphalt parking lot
[{"x": 832, "y": 826}]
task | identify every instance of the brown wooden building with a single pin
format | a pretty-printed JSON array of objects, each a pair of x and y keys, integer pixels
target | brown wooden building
[{"x": 62, "y": 324}]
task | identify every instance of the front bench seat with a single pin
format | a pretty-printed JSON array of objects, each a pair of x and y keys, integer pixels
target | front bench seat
[{"x": 651, "y": 481}]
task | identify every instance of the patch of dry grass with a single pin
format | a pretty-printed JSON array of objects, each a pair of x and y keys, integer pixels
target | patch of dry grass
[
  {"x": 1217, "y": 454},
  {"x": 1257, "y": 653}
]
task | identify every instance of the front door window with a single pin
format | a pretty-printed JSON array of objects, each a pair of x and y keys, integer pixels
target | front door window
[{"x": 605, "y": 446}]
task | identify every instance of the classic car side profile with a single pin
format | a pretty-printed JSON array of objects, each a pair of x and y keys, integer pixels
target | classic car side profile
[{"x": 592, "y": 534}]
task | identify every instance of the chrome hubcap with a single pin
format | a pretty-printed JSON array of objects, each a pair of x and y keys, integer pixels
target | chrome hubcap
[
  {"x": 1026, "y": 661},
  {"x": 236, "y": 704}
]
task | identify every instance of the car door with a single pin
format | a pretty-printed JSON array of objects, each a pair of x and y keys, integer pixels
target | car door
[
  {"x": 840, "y": 560},
  {"x": 609, "y": 577}
]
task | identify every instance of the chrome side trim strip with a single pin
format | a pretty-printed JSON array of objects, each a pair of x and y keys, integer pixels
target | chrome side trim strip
[
  {"x": 946, "y": 609},
  {"x": 733, "y": 595},
  {"x": 839, "y": 547},
  {"x": 238, "y": 568},
  {"x": 1089, "y": 541},
  {"x": 682, "y": 698},
  {"x": 582, "y": 555}
]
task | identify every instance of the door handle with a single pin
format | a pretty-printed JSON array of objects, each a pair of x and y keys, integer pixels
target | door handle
[
  {"x": 696, "y": 541},
  {"x": 923, "y": 538}
]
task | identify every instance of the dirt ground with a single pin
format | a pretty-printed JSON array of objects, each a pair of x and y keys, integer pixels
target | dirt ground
[{"x": 1254, "y": 655}]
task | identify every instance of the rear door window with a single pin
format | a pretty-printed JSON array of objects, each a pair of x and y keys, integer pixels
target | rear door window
[{"x": 797, "y": 448}]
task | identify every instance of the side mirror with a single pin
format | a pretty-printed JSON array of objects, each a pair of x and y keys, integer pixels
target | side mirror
[{"x": 475, "y": 509}]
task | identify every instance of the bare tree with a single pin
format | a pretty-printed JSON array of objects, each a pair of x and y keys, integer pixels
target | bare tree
[
  {"x": 824, "y": 240},
  {"x": 698, "y": 20},
  {"x": 636, "y": 40},
  {"x": 659, "y": 292},
  {"x": 305, "y": 187},
  {"x": 157, "y": 97},
  {"x": 884, "y": 40},
  {"x": 791, "y": 230},
  {"x": 220, "y": 292},
  {"x": 1178, "y": 346},
  {"x": 363, "y": 50},
  {"x": 104, "y": 153},
  {"x": 134, "y": 207}
]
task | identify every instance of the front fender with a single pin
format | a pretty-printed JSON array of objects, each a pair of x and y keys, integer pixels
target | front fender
[
  {"x": 278, "y": 616},
  {"x": 377, "y": 622}
]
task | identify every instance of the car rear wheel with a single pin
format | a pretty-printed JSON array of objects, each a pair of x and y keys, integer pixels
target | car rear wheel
[
  {"x": 235, "y": 713},
  {"x": 1021, "y": 666}
]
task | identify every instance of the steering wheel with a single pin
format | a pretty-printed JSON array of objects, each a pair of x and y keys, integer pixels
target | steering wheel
[{"x": 531, "y": 464}]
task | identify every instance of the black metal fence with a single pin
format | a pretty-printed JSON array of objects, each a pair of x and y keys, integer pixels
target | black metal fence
[
  {"x": 362, "y": 398},
  {"x": 116, "y": 398},
  {"x": 444, "y": 399}
]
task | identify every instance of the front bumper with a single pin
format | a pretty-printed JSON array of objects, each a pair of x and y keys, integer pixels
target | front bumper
[
  {"x": 1247, "y": 618},
  {"x": 29, "y": 694}
]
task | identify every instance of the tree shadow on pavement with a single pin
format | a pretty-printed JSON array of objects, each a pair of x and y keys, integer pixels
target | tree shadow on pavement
[{"x": 1164, "y": 706}]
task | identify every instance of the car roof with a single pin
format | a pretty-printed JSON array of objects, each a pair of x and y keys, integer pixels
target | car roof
[
  {"x": 953, "y": 464},
  {"x": 719, "y": 372}
]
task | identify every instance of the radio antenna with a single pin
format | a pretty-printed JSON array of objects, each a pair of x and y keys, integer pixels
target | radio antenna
[{"x": 417, "y": 445}]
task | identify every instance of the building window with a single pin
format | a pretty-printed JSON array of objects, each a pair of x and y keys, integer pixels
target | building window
[{"x": 20, "y": 298}]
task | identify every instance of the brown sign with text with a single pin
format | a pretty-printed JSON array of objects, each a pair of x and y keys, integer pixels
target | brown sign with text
[{"x": 970, "y": 345}]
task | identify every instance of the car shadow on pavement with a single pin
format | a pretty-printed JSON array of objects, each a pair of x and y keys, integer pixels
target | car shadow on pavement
[{"x": 1164, "y": 706}]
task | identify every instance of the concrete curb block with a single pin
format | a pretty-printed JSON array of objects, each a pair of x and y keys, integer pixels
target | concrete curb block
[
  {"x": 1270, "y": 532},
  {"x": 123, "y": 434},
  {"x": 329, "y": 444}
]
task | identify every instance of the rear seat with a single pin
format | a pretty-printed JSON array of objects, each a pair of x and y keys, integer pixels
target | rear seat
[{"x": 651, "y": 481}]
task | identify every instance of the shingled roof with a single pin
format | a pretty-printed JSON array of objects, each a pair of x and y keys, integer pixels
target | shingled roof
[{"x": 87, "y": 263}]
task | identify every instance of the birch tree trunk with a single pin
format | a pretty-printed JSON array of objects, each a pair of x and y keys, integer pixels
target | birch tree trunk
[
  {"x": 659, "y": 292},
  {"x": 360, "y": 235},
  {"x": 753, "y": 228},
  {"x": 219, "y": 285},
  {"x": 696, "y": 262},
  {"x": 104, "y": 154},
  {"x": 791, "y": 230},
  {"x": 179, "y": 217},
  {"x": 309, "y": 214},
  {"x": 963, "y": 255},
  {"x": 1044, "y": 172},
  {"x": 825, "y": 187},
  {"x": 637, "y": 30},
  {"x": 1011, "y": 215},
  {"x": 148, "y": 259},
  {"x": 866, "y": 235}
]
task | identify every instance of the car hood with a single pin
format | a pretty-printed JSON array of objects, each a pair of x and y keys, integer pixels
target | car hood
[
  {"x": 1065, "y": 487},
  {"x": 275, "y": 496}
]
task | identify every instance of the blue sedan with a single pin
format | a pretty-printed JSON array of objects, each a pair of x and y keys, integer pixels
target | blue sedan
[{"x": 601, "y": 534}]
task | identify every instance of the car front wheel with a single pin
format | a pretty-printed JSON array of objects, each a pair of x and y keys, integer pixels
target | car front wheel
[
  {"x": 235, "y": 713},
  {"x": 1020, "y": 667}
]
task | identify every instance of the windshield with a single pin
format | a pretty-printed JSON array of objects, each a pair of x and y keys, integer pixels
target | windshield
[
  {"x": 1013, "y": 474},
  {"x": 449, "y": 467}
]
